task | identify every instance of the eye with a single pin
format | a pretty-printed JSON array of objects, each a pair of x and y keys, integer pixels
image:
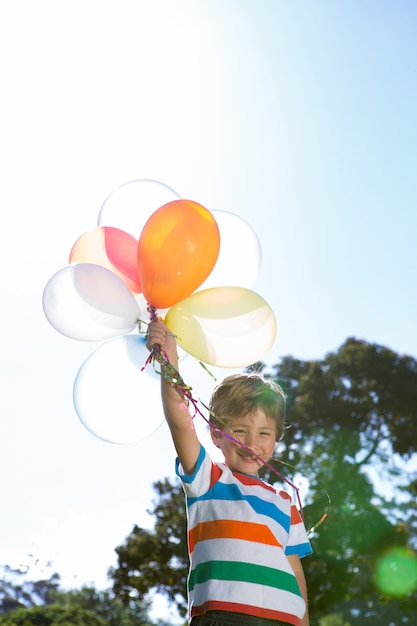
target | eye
[{"x": 239, "y": 431}]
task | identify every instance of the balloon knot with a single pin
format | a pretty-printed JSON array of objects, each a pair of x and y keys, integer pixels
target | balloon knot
[{"x": 152, "y": 312}]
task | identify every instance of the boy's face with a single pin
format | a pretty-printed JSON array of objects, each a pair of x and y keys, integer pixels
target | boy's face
[{"x": 256, "y": 432}]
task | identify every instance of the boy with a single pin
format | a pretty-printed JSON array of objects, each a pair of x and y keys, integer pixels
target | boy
[{"x": 245, "y": 539}]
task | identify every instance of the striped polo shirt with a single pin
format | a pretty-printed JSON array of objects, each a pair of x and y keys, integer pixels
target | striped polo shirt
[{"x": 240, "y": 532}]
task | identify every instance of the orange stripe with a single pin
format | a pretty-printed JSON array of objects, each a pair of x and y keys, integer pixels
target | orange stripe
[{"x": 227, "y": 529}]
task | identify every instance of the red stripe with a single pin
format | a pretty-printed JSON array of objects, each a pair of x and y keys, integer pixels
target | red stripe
[
  {"x": 246, "y": 479},
  {"x": 216, "y": 472},
  {"x": 295, "y": 515},
  {"x": 234, "y": 607}
]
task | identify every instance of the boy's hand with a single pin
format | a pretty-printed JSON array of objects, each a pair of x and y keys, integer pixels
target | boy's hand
[
  {"x": 156, "y": 334},
  {"x": 159, "y": 334}
]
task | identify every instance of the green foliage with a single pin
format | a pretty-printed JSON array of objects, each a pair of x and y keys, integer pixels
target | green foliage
[
  {"x": 335, "y": 619},
  {"x": 104, "y": 605},
  {"x": 156, "y": 559},
  {"x": 52, "y": 615},
  {"x": 365, "y": 392},
  {"x": 18, "y": 591},
  {"x": 25, "y": 602},
  {"x": 352, "y": 410}
]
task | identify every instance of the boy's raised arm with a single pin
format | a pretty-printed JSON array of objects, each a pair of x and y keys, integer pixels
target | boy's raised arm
[{"x": 175, "y": 407}]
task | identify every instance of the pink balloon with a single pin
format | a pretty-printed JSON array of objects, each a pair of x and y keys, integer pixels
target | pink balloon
[{"x": 111, "y": 248}]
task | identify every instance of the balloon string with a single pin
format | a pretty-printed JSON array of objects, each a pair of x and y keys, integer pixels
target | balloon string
[
  {"x": 329, "y": 502},
  {"x": 175, "y": 379}
]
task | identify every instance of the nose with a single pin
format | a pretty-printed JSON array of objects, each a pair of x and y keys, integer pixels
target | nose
[{"x": 251, "y": 441}]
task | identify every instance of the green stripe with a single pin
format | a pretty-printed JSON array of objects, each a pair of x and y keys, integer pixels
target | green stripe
[{"x": 243, "y": 572}]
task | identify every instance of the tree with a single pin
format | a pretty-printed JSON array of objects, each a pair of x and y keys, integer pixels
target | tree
[
  {"x": 105, "y": 606},
  {"x": 19, "y": 591},
  {"x": 349, "y": 413},
  {"x": 335, "y": 619},
  {"x": 41, "y": 602},
  {"x": 52, "y": 615},
  {"x": 156, "y": 559}
]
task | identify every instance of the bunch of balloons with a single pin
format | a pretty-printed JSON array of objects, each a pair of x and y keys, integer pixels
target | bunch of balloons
[{"x": 153, "y": 249}]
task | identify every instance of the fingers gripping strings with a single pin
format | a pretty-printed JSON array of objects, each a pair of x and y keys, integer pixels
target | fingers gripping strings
[{"x": 157, "y": 355}]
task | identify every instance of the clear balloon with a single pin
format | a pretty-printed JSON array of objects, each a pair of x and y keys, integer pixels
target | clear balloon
[
  {"x": 112, "y": 248},
  {"x": 88, "y": 302},
  {"x": 240, "y": 256},
  {"x": 130, "y": 205},
  {"x": 177, "y": 250},
  {"x": 144, "y": 314},
  {"x": 114, "y": 398},
  {"x": 223, "y": 326}
]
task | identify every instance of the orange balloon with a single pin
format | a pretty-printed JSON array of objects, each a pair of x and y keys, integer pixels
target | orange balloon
[
  {"x": 111, "y": 248},
  {"x": 177, "y": 250}
]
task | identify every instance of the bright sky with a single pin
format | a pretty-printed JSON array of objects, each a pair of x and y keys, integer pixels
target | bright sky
[{"x": 299, "y": 117}]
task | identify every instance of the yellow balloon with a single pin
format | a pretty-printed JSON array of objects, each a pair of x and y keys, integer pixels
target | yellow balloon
[{"x": 223, "y": 326}]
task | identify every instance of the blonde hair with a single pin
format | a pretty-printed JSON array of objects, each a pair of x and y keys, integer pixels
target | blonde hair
[{"x": 240, "y": 394}]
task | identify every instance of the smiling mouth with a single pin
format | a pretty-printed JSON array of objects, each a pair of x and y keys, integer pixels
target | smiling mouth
[{"x": 249, "y": 457}]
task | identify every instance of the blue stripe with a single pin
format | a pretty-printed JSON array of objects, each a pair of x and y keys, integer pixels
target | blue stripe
[
  {"x": 302, "y": 549},
  {"x": 188, "y": 478},
  {"x": 232, "y": 493}
]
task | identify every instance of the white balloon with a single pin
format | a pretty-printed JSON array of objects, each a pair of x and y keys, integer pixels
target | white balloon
[
  {"x": 88, "y": 302},
  {"x": 114, "y": 398},
  {"x": 129, "y": 206},
  {"x": 240, "y": 255}
]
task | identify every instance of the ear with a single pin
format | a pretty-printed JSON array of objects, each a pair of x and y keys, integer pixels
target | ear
[{"x": 216, "y": 435}]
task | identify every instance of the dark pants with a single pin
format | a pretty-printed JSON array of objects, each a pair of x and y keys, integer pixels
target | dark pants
[{"x": 227, "y": 618}]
